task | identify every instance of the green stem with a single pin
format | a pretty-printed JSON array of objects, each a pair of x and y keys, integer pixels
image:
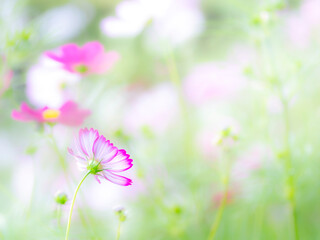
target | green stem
[
  {"x": 59, "y": 216},
  {"x": 119, "y": 230},
  {"x": 218, "y": 217},
  {"x": 56, "y": 149},
  {"x": 289, "y": 168},
  {"x": 72, "y": 204},
  {"x": 176, "y": 81}
]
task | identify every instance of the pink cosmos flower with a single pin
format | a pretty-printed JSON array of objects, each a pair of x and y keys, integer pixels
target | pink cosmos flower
[
  {"x": 100, "y": 157},
  {"x": 68, "y": 114},
  {"x": 88, "y": 59}
]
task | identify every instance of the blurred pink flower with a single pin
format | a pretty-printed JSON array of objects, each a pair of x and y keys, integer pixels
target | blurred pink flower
[
  {"x": 67, "y": 114},
  {"x": 155, "y": 109},
  {"x": 219, "y": 196},
  {"x": 304, "y": 24},
  {"x": 213, "y": 81},
  {"x": 174, "y": 20},
  {"x": 88, "y": 59},
  {"x": 251, "y": 160},
  {"x": 96, "y": 154},
  {"x": 48, "y": 84}
]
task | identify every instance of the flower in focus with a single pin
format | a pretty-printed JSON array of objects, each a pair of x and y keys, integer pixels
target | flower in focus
[
  {"x": 48, "y": 84},
  {"x": 88, "y": 59},
  {"x": 174, "y": 20},
  {"x": 68, "y": 114},
  {"x": 98, "y": 155}
]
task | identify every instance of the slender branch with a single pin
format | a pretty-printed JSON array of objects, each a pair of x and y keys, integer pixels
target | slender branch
[
  {"x": 119, "y": 230},
  {"x": 72, "y": 204},
  {"x": 289, "y": 168},
  {"x": 218, "y": 217}
]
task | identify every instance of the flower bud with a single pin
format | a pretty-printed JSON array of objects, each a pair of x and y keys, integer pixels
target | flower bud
[
  {"x": 61, "y": 198},
  {"x": 120, "y": 211}
]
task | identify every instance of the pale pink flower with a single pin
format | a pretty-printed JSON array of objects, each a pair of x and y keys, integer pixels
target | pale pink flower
[
  {"x": 68, "y": 114},
  {"x": 251, "y": 160},
  {"x": 173, "y": 20},
  {"x": 213, "y": 81},
  {"x": 304, "y": 24},
  {"x": 219, "y": 197},
  {"x": 48, "y": 84},
  {"x": 99, "y": 156},
  {"x": 91, "y": 58},
  {"x": 155, "y": 109}
]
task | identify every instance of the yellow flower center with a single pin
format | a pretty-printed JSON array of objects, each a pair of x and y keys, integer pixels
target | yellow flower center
[{"x": 50, "y": 114}]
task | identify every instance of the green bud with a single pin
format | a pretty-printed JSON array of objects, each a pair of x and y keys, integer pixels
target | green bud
[
  {"x": 61, "y": 198},
  {"x": 31, "y": 150},
  {"x": 262, "y": 18},
  {"x": 147, "y": 132},
  {"x": 120, "y": 212},
  {"x": 177, "y": 209}
]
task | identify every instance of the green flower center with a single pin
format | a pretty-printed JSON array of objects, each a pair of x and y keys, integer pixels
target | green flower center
[
  {"x": 94, "y": 166},
  {"x": 81, "y": 68}
]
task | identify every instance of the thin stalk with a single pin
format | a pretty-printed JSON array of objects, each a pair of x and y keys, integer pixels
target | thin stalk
[
  {"x": 68, "y": 175},
  {"x": 218, "y": 217},
  {"x": 176, "y": 81},
  {"x": 119, "y": 230},
  {"x": 289, "y": 168},
  {"x": 56, "y": 149},
  {"x": 72, "y": 204},
  {"x": 59, "y": 215}
]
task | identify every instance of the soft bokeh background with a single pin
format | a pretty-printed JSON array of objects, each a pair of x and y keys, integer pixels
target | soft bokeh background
[{"x": 205, "y": 98}]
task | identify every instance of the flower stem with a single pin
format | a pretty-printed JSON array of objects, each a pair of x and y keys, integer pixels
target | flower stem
[
  {"x": 59, "y": 216},
  {"x": 119, "y": 230},
  {"x": 60, "y": 156},
  {"x": 289, "y": 168},
  {"x": 218, "y": 217},
  {"x": 72, "y": 204}
]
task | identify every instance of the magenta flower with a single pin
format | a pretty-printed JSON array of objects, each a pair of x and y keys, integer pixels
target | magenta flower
[
  {"x": 68, "y": 114},
  {"x": 88, "y": 59},
  {"x": 97, "y": 155}
]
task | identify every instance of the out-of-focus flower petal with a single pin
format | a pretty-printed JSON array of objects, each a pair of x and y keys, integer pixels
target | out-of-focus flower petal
[
  {"x": 88, "y": 59},
  {"x": 71, "y": 115},
  {"x": 27, "y": 114}
]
